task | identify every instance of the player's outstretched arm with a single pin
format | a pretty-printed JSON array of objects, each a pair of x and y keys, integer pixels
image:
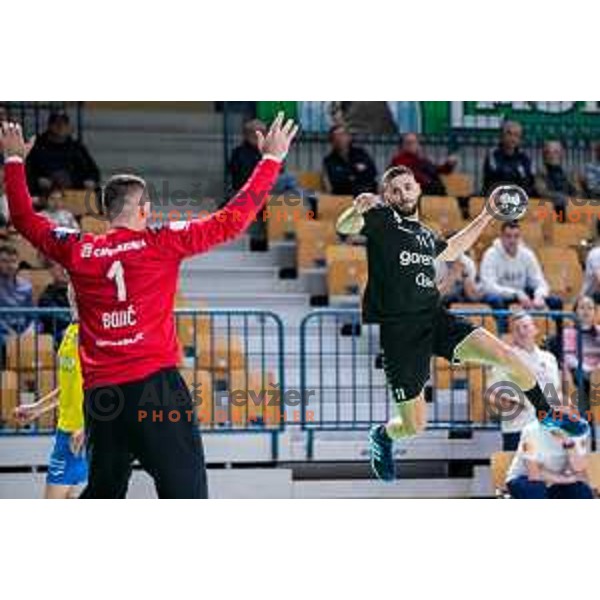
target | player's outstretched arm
[
  {"x": 27, "y": 413},
  {"x": 464, "y": 239},
  {"x": 200, "y": 235},
  {"x": 34, "y": 227}
]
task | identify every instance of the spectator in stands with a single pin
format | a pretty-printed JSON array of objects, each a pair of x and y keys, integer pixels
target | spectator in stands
[
  {"x": 54, "y": 209},
  {"x": 246, "y": 157},
  {"x": 57, "y": 158},
  {"x": 427, "y": 173},
  {"x": 549, "y": 465},
  {"x": 552, "y": 182},
  {"x": 348, "y": 170},
  {"x": 591, "y": 278},
  {"x": 545, "y": 366},
  {"x": 457, "y": 281},
  {"x": 591, "y": 174},
  {"x": 3, "y": 201},
  {"x": 585, "y": 308},
  {"x": 56, "y": 296},
  {"x": 511, "y": 273},
  {"x": 15, "y": 292},
  {"x": 508, "y": 163},
  {"x": 4, "y": 116}
]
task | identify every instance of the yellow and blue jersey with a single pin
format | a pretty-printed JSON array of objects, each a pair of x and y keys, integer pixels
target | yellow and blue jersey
[{"x": 70, "y": 382}]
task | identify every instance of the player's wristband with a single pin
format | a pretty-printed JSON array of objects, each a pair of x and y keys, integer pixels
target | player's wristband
[
  {"x": 13, "y": 158},
  {"x": 272, "y": 157}
]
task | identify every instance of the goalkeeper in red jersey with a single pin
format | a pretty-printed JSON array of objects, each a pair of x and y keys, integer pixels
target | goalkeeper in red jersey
[{"x": 125, "y": 283}]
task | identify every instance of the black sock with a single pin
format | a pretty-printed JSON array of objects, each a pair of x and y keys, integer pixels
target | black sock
[{"x": 539, "y": 402}]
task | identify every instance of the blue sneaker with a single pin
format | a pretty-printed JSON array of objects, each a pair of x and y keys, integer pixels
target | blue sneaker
[
  {"x": 567, "y": 424},
  {"x": 382, "y": 454}
]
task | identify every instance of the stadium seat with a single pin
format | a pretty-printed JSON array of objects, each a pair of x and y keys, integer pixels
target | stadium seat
[
  {"x": 80, "y": 202},
  {"x": 500, "y": 463},
  {"x": 282, "y": 218},
  {"x": 331, "y": 207},
  {"x": 257, "y": 398},
  {"x": 90, "y": 224},
  {"x": 219, "y": 354},
  {"x": 346, "y": 270},
  {"x": 532, "y": 234},
  {"x": 29, "y": 352},
  {"x": 200, "y": 384},
  {"x": 568, "y": 235},
  {"x": 442, "y": 212},
  {"x": 459, "y": 185},
  {"x": 9, "y": 396},
  {"x": 476, "y": 386},
  {"x": 486, "y": 321},
  {"x": 40, "y": 280},
  {"x": 562, "y": 270},
  {"x": 27, "y": 253},
  {"x": 310, "y": 180},
  {"x": 313, "y": 239}
]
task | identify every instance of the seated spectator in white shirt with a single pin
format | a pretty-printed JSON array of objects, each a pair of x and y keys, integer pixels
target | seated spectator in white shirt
[
  {"x": 545, "y": 366},
  {"x": 591, "y": 278},
  {"x": 511, "y": 273},
  {"x": 457, "y": 281},
  {"x": 55, "y": 210},
  {"x": 549, "y": 465}
]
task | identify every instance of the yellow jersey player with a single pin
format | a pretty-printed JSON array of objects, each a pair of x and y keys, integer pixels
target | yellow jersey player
[{"x": 68, "y": 467}]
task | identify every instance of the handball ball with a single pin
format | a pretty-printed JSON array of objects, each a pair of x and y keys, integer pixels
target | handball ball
[{"x": 508, "y": 203}]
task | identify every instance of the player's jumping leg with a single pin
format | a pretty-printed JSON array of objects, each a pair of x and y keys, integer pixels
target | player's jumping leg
[
  {"x": 410, "y": 420},
  {"x": 483, "y": 348}
]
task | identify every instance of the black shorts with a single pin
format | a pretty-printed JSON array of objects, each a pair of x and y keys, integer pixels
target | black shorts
[
  {"x": 409, "y": 345},
  {"x": 153, "y": 421}
]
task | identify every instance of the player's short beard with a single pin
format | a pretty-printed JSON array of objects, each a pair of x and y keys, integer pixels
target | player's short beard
[{"x": 403, "y": 210}]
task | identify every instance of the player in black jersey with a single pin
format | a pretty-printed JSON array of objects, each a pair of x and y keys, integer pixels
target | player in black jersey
[{"x": 402, "y": 297}]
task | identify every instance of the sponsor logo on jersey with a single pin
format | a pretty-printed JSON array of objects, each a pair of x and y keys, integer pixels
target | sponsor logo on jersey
[
  {"x": 415, "y": 258},
  {"x": 89, "y": 251},
  {"x": 178, "y": 225}
]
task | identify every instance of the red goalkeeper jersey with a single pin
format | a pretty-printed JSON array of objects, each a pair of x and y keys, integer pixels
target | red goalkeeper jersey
[{"x": 125, "y": 281}]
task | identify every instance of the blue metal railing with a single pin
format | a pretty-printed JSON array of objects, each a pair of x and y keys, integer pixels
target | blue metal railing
[
  {"x": 233, "y": 363},
  {"x": 344, "y": 383}
]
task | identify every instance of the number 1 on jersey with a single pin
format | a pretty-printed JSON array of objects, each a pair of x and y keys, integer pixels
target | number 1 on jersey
[{"x": 116, "y": 273}]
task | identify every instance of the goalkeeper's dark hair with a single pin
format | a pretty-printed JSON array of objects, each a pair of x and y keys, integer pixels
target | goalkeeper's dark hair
[{"x": 117, "y": 190}]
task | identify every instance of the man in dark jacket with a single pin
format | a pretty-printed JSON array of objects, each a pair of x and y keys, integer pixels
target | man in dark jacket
[
  {"x": 348, "y": 169},
  {"x": 56, "y": 158},
  {"x": 508, "y": 163}
]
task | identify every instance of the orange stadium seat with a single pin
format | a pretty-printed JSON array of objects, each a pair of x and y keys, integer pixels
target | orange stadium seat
[
  {"x": 562, "y": 269},
  {"x": 29, "y": 352},
  {"x": 219, "y": 354},
  {"x": 310, "y": 180},
  {"x": 487, "y": 321},
  {"x": 331, "y": 207},
  {"x": 80, "y": 202},
  {"x": 27, "y": 253},
  {"x": 9, "y": 395},
  {"x": 532, "y": 234},
  {"x": 40, "y": 280},
  {"x": 346, "y": 270},
  {"x": 313, "y": 239},
  {"x": 566, "y": 235},
  {"x": 442, "y": 212},
  {"x": 282, "y": 218},
  {"x": 257, "y": 397},
  {"x": 459, "y": 185},
  {"x": 200, "y": 384}
]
